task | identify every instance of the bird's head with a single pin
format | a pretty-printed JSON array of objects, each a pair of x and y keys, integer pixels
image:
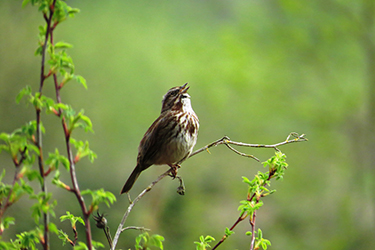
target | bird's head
[{"x": 176, "y": 98}]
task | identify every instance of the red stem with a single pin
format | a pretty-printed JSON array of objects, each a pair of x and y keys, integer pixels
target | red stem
[
  {"x": 45, "y": 241},
  {"x": 4, "y": 206},
  {"x": 75, "y": 189},
  {"x": 244, "y": 215}
]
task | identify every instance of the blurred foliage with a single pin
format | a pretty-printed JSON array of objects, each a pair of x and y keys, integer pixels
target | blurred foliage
[{"x": 258, "y": 70}]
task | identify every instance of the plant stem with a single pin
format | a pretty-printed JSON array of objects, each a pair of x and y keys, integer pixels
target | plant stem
[
  {"x": 75, "y": 189},
  {"x": 45, "y": 241}
]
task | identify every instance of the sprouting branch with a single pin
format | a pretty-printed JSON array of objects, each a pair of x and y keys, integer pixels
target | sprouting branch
[
  {"x": 67, "y": 134},
  {"x": 48, "y": 20},
  {"x": 75, "y": 189},
  {"x": 240, "y": 218},
  {"x": 252, "y": 196},
  {"x": 292, "y": 137},
  {"x": 7, "y": 203}
]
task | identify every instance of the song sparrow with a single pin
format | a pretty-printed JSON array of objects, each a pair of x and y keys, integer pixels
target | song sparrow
[{"x": 172, "y": 136}]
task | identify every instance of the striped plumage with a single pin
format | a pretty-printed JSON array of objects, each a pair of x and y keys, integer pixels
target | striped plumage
[{"x": 171, "y": 138}]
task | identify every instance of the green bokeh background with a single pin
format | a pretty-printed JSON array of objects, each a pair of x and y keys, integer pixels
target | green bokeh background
[{"x": 258, "y": 70}]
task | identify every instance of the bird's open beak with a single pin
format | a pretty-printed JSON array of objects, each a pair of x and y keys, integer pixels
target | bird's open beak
[{"x": 184, "y": 88}]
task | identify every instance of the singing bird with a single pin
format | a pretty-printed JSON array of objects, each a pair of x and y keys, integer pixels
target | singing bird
[{"x": 171, "y": 138}]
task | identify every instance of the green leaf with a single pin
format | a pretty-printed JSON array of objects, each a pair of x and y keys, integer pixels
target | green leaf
[
  {"x": 203, "y": 244},
  {"x": 87, "y": 122},
  {"x": 25, "y": 91},
  {"x": 73, "y": 11},
  {"x": 43, "y": 205},
  {"x": 81, "y": 80},
  {"x": 228, "y": 232},
  {"x": 4, "y": 137},
  {"x": 27, "y": 240},
  {"x": 25, "y": 2},
  {"x": 100, "y": 196},
  {"x": 2, "y": 175},
  {"x": 97, "y": 244},
  {"x": 54, "y": 159},
  {"x": 260, "y": 234},
  {"x": 6, "y": 222},
  {"x": 80, "y": 246},
  {"x": 209, "y": 238},
  {"x": 246, "y": 180},
  {"x": 63, "y": 45},
  {"x": 83, "y": 150},
  {"x": 157, "y": 241},
  {"x": 63, "y": 236},
  {"x": 38, "y": 51},
  {"x": 53, "y": 228},
  {"x": 73, "y": 219}
]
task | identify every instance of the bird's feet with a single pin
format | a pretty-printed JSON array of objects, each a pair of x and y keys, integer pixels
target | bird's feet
[{"x": 174, "y": 169}]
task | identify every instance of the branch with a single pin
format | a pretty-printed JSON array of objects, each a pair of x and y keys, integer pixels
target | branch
[
  {"x": 252, "y": 218},
  {"x": 225, "y": 140},
  {"x": 75, "y": 187},
  {"x": 132, "y": 204},
  {"x": 136, "y": 228},
  {"x": 240, "y": 218},
  {"x": 5, "y": 205},
  {"x": 292, "y": 137},
  {"x": 48, "y": 20}
]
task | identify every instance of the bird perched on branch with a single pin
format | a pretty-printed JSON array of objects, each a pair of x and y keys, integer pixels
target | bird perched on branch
[{"x": 171, "y": 138}]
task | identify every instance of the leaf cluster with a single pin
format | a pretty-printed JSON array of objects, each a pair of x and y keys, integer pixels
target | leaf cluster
[
  {"x": 146, "y": 242},
  {"x": 203, "y": 243}
]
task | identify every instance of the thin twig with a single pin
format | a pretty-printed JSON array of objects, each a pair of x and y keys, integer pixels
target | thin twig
[
  {"x": 240, "y": 218},
  {"x": 292, "y": 137},
  {"x": 252, "y": 220},
  {"x": 132, "y": 204},
  {"x": 135, "y": 228}
]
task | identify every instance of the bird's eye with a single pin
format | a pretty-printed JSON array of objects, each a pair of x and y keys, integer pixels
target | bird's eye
[{"x": 175, "y": 92}]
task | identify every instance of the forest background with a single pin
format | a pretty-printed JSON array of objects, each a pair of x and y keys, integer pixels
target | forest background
[{"x": 258, "y": 70}]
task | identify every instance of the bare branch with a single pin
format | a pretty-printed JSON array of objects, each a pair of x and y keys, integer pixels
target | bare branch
[
  {"x": 136, "y": 228},
  {"x": 132, "y": 204},
  {"x": 292, "y": 137}
]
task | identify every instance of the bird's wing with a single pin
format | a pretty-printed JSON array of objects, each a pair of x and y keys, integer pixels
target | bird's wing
[{"x": 155, "y": 139}]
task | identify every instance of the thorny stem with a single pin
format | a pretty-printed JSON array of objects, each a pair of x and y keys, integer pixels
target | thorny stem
[{"x": 225, "y": 140}]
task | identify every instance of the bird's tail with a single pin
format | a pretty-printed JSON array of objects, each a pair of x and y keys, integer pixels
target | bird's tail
[{"x": 132, "y": 178}]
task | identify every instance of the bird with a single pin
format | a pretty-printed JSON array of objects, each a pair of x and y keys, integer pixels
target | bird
[{"x": 171, "y": 137}]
